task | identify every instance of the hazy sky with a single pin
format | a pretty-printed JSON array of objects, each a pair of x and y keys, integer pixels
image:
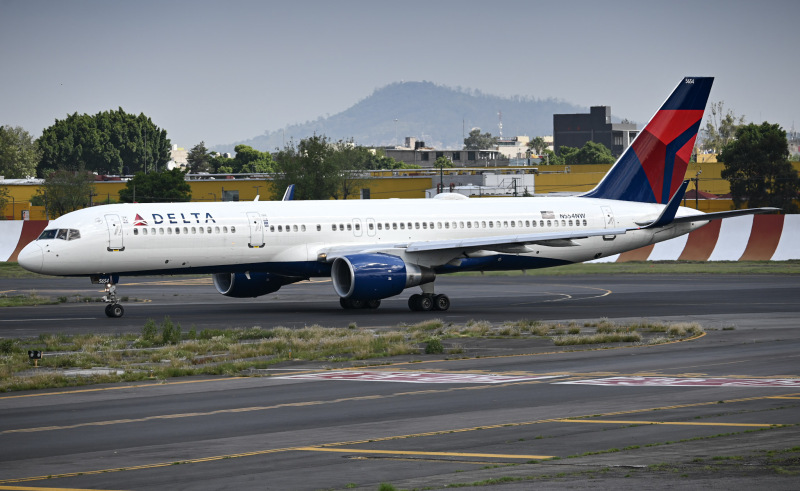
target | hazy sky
[{"x": 227, "y": 71}]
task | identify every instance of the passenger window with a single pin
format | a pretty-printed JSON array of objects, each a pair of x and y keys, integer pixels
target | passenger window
[
  {"x": 431, "y": 225},
  {"x": 541, "y": 223},
  {"x": 280, "y": 228},
  {"x": 349, "y": 227},
  {"x": 194, "y": 230},
  {"x": 144, "y": 231},
  {"x": 185, "y": 230},
  {"x": 394, "y": 226},
  {"x": 380, "y": 227},
  {"x": 358, "y": 226},
  {"x": 512, "y": 223},
  {"x": 402, "y": 226},
  {"x": 584, "y": 222},
  {"x": 491, "y": 224},
  {"x": 294, "y": 228},
  {"x": 208, "y": 230},
  {"x": 302, "y": 228},
  {"x": 319, "y": 228},
  {"x": 563, "y": 223},
  {"x": 216, "y": 230},
  {"x": 169, "y": 230},
  {"x": 549, "y": 223},
  {"x": 570, "y": 223},
  {"x": 177, "y": 230},
  {"x": 416, "y": 225},
  {"x": 533, "y": 223},
  {"x": 341, "y": 227},
  {"x": 460, "y": 224},
  {"x": 201, "y": 230},
  {"x": 224, "y": 230},
  {"x": 371, "y": 226},
  {"x": 136, "y": 231},
  {"x": 333, "y": 227},
  {"x": 233, "y": 229}
]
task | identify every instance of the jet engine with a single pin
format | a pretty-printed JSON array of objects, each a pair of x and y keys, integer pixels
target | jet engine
[
  {"x": 376, "y": 276},
  {"x": 245, "y": 285}
]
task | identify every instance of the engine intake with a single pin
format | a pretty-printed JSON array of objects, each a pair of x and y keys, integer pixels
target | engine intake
[
  {"x": 241, "y": 285},
  {"x": 376, "y": 276}
]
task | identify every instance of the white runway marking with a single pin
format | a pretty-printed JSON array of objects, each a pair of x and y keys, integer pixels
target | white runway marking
[
  {"x": 689, "y": 382},
  {"x": 415, "y": 377}
]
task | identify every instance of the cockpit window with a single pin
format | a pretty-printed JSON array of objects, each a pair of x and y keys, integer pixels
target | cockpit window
[
  {"x": 62, "y": 234},
  {"x": 48, "y": 234},
  {"x": 74, "y": 234}
]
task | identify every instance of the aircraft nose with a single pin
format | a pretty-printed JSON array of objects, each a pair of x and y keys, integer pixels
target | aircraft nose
[{"x": 31, "y": 257}]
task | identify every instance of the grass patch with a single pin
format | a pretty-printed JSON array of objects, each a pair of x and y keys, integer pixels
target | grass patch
[
  {"x": 163, "y": 349},
  {"x": 31, "y": 299}
]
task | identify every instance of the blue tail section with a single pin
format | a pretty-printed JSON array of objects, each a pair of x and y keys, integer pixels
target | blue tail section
[{"x": 653, "y": 168}]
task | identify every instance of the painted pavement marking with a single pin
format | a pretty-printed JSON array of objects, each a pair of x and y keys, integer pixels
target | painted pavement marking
[
  {"x": 689, "y": 382},
  {"x": 416, "y": 377}
]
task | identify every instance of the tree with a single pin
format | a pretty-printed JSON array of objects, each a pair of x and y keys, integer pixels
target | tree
[
  {"x": 110, "y": 142},
  {"x": 758, "y": 169},
  {"x": 157, "y": 187},
  {"x": 250, "y": 160},
  {"x": 443, "y": 163},
  {"x": 537, "y": 145},
  {"x": 309, "y": 168},
  {"x": 65, "y": 190},
  {"x": 590, "y": 153},
  {"x": 720, "y": 127},
  {"x": 479, "y": 141},
  {"x": 199, "y": 159},
  {"x": 19, "y": 153},
  {"x": 549, "y": 157}
]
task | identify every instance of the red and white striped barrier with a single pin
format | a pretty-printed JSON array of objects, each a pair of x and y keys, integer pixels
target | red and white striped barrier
[
  {"x": 15, "y": 234},
  {"x": 747, "y": 238}
]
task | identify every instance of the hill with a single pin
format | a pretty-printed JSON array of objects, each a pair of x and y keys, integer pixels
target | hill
[{"x": 441, "y": 116}]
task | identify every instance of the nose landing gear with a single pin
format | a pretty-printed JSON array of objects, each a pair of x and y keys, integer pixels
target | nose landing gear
[{"x": 113, "y": 309}]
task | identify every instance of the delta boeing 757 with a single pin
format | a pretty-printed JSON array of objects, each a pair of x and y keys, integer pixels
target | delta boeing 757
[{"x": 376, "y": 249}]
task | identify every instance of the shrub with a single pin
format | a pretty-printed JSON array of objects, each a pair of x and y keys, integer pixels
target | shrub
[{"x": 434, "y": 346}]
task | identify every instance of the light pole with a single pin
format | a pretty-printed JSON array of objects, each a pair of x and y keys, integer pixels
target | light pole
[
  {"x": 395, "y": 132},
  {"x": 257, "y": 187}
]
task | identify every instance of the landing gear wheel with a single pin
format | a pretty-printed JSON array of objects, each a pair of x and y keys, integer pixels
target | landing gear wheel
[
  {"x": 441, "y": 302},
  {"x": 413, "y": 302},
  {"x": 373, "y": 304},
  {"x": 426, "y": 303},
  {"x": 114, "y": 310}
]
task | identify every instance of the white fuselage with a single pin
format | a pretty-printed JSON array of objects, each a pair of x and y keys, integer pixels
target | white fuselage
[{"x": 290, "y": 237}]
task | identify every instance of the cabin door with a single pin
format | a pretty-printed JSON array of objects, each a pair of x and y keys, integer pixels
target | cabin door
[
  {"x": 256, "y": 229},
  {"x": 114, "y": 233}
]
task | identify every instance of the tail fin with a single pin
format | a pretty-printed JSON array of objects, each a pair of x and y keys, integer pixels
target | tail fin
[{"x": 653, "y": 167}]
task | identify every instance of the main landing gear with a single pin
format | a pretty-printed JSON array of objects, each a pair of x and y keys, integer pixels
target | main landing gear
[
  {"x": 427, "y": 301},
  {"x": 113, "y": 309}
]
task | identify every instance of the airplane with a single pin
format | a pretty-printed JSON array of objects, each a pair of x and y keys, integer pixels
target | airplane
[{"x": 377, "y": 249}]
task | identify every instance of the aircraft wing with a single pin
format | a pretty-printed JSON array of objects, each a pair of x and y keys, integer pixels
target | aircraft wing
[{"x": 500, "y": 243}]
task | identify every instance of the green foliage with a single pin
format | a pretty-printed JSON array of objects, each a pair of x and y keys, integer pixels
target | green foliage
[
  {"x": 19, "y": 153},
  {"x": 156, "y": 187},
  {"x": 443, "y": 163},
  {"x": 758, "y": 169},
  {"x": 110, "y": 142},
  {"x": 8, "y": 346},
  {"x": 549, "y": 157},
  {"x": 170, "y": 333},
  {"x": 537, "y": 145},
  {"x": 65, "y": 190},
  {"x": 321, "y": 169},
  {"x": 479, "y": 141},
  {"x": 720, "y": 127},
  {"x": 434, "y": 346},
  {"x": 590, "y": 153},
  {"x": 149, "y": 331},
  {"x": 199, "y": 159}
]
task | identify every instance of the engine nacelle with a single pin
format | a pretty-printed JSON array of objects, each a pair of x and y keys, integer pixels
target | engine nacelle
[
  {"x": 376, "y": 276},
  {"x": 241, "y": 285}
]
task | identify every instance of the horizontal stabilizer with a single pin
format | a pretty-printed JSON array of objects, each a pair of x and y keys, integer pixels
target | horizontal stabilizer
[{"x": 719, "y": 215}]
